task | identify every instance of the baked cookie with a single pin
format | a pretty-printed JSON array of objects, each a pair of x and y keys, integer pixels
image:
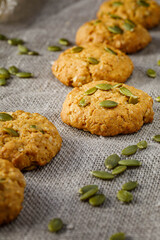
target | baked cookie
[
  {"x": 122, "y": 34},
  {"x": 107, "y": 109},
  {"x": 92, "y": 62},
  {"x": 144, "y": 12},
  {"x": 28, "y": 139},
  {"x": 12, "y": 184}
]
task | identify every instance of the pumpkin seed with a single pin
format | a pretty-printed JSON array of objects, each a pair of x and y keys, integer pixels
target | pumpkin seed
[
  {"x": 76, "y": 49},
  {"x": 112, "y": 161},
  {"x": 108, "y": 104},
  {"x": 124, "y": 91},
  {"x": 114, "y": 16},
  {"x": 97, "y": 200},
  {"x": 33, "y": 126},
  {"x": 117, "y": 85},
  {"x": 3, "y": 37},
  {"x": 102, "y": 175},
  {"x": 124, "y": 196},
  {"x": 156, "y": 138},
  {"x": 3, "y": 82},
  {"x": 89, "y": 194},
  {"x": 64, "y": 42},
  {"x": 30, "y": 168},
  {"x": 151, "y": 73},
  {"x": 130, "y": 150},
  {"x": 157, "y": 99},
  {"x": 119, "y": 170},
  {"x": 24, "y": 75},
  {"x": 92, "y": 60},
  {"x": 158, "y": 62},
  {"x": 33, "y": 53},
  {"x": 143, "y": 3},
  {"x": 5, "y": 117},
  {"x": 15, "y": 41},
  {"x": 118, "y": 236},
  {"x": 91, "y": 91},
  {"x": 11, "y": 131},
  {"x": 4, "y": 73},
  {"x": 110, "y": 50},
  {"x": 115, "y": 30},
  {"x": 130, "y": 163},
  {"x": 54, "y": 48},
  {"x": 142, "y": 144},
  {"x": 133, "y": 100},
  {"x": 128, "y": 186},
  {"x": 97, "y": 21},
  {"x": 87, "y": 188},
  {"x": 117, "y": 4},
  {"x": 13, "y": 70},
  {"x": 83, "y": 103},
  {"x": 104, "y": 86},
  {"x": 23, "y": 49},
  {"x": 55, "y": 225},
  {"x": 129, "y": 25}
]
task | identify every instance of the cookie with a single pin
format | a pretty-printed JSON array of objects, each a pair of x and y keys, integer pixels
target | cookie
[
  {"x": 28, "y": 139},
  {"x": 144, "y": 12},
  {"x": 124, "y": 35},
  {"x": 107, "y": 109},
  {"x": 12, "y": 184},
  {"x": 93, "y": 62}
]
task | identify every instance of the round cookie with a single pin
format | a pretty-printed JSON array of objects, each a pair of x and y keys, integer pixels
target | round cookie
[
  {"x": 107, "y": 112},
  {"x": 28, "y": 139},
  {"x": 144, "y": 12},
  {"x": 76, "y": 68},
  {"x": 119, "y": 33},
  {"x": 12, "y": 184}
]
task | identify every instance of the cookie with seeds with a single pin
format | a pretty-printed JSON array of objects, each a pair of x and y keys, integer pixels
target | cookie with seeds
[
  {"x": 12, "y": 185},
  {"x": 122, "y": 34},
  {"x": 92, "y": 62},
  {"x": 107, "y": 109},
  {"x": 28, "y": 139}
]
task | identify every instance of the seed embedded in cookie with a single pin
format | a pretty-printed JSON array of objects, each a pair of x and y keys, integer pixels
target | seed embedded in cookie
[{"x": 117, "y": 115}]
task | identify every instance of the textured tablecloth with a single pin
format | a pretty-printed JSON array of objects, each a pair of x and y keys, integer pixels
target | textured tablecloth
[{"x": 52, "y": 190}]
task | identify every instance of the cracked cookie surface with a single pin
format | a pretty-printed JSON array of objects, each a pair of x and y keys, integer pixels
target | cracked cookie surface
[
  {"x": 12, "y": 184},
  {"x": 74, "y": 69},
  {"x": 36, "y": 143},
  {"x": 123, "y": 119}
]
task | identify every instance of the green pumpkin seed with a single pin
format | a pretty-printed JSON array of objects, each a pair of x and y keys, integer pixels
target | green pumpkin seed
[
  {"x": 24, "y": 75},
  {"x": 64, "y": 42},
  {"x": 118, "y": 236},
  {"x": 115, "y": 30},
  {"x": 55, "y": 225},
  {"x": 97, "y": 21},
  {"x": 130, "y": 150},
  {"x": 102, "y": 175},
  {"x": 3, "y": 38},
  {"x": 110, "y": 50},
  {"x": 117, "y": 85},
  {"x": 112, "y": 161},
  {"x": 11, "y": 131},
  {"x": 76, "y": 49},
  {"x": 128, "y": 186},
  {"x": 83, "y": 102},
  {"x": 3, "y": 82},
  {"x": 87, "y": 188},
  {"x": 54, "y": 48},
  {"x": 104, "y": 86},
  {"x": 30, "y": 168},
  {"x": 158, "y": 62},
  {"x": 15, "y": 41},
  {"x": 91, "y": 91},
  {"x": 130, "y": 163},
  {"x": 13, "y": 70},
  {"x": 143, "y": 3},
  {"x": 33, "y": 126},
  {"x": 124, "y": 91},
  {"x": 133, "y": 100},
  {"x": 92, "y": 60},
  {"x": 117, "y": 4},
  {"x": 23, "y": 49},
  {"x": 5, "y": 117},
  {"x": 157, "y": 99},
  {"x": 142, "y": 144},
  {"x": 124, "y": 196},
  {"x": 89, "y": 194},
  {"x": 129, "y": 25},
  {"x": 119, "y": 170},
  {"x": 156, "y": 138},
  {"x": 114, "y": 16},
  {"x": 4, "y": 73},
  {"x": 108, "y": 104},
  {"x": 151, "y": 73},
  {"x": 33, "y": 53},
  {"x": 97, "y": 200}
]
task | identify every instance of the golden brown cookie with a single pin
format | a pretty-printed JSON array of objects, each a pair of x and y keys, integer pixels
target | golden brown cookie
[
  {"x": 121, "y": 34},
  {"x": 106, "y": 109},
  {"x": 12, "y": 184},
  {"x": 144, "y": 12},
  {"x": 28, "y": 139},
  {"x": 92, "y": 62}
]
